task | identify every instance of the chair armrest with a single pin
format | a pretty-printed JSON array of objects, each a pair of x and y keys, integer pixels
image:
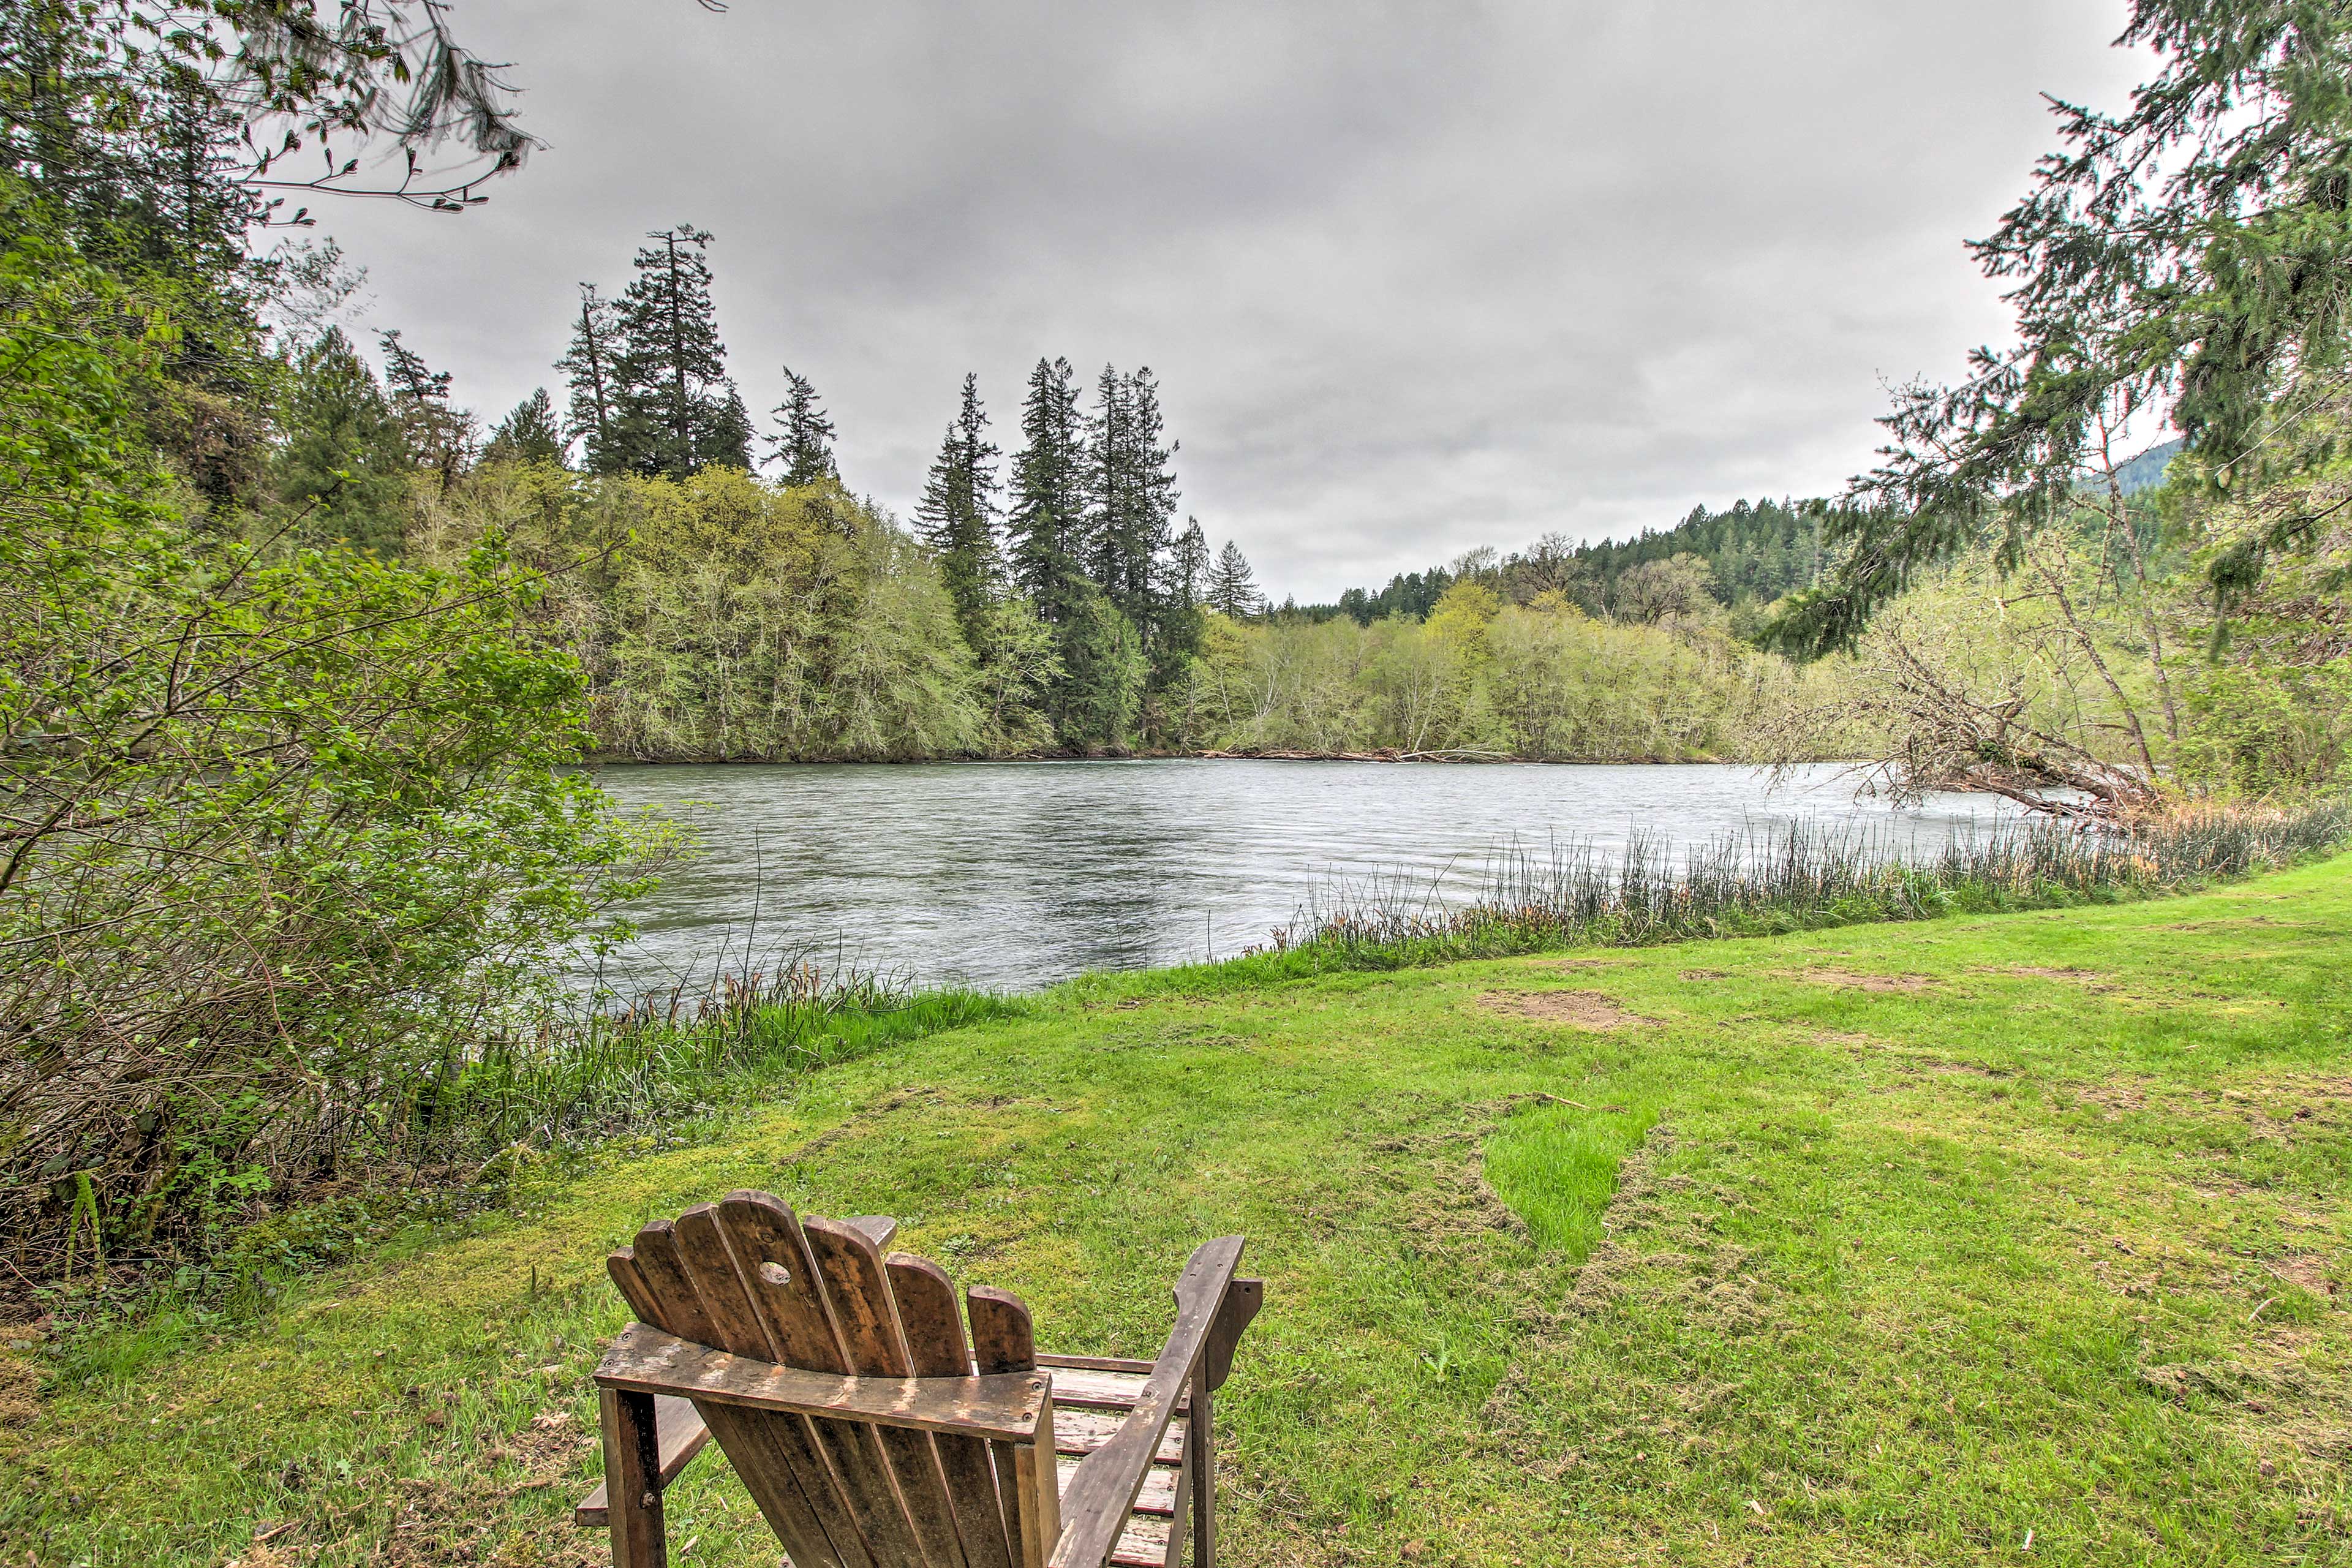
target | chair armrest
[{"x": 1102, "y": 1490}]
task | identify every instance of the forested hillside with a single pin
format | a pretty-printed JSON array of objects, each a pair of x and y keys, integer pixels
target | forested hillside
[{"x": 1743, "y": 558}]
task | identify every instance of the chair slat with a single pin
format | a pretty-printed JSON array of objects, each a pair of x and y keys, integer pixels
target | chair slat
[
  {"x": 1159, "y": 1493},
  {"x": 671, "y": 1289},
  {"x": 1003, "y": 1340},
  {"x": 1144, "y": 1543},
  {"x": 1081, "y": 1431},
  {"x": 775, "y": 1455},
  {"x": 933, "y": 1327},
  {"x": 1102, "y": 1390},
  {"x": 791, "y": 1303},
  {"x": 859, "y": 1288},
  {"x": 762, "y": 1232}
]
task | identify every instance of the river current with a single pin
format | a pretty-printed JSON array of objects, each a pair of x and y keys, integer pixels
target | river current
[{"x": 1011, "y": 876}]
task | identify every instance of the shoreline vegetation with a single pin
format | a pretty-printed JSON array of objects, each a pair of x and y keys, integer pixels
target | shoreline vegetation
[
  {"x": 578, "y": 1076},
  {"x": 681, "y": 1052}
]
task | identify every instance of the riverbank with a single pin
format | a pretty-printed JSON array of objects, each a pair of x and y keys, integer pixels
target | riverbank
[{"x": 1883, "y": 1243}]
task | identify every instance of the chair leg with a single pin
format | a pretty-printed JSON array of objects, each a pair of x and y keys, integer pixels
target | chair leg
[
  {"x": 1201, "y": 1465},
  {"x": 633, "y": 1480}
]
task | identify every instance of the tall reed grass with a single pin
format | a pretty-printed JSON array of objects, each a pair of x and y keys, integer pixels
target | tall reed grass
[
  {"x": 1803, "y": 875},
  {"x": 593, "y": 1068}
]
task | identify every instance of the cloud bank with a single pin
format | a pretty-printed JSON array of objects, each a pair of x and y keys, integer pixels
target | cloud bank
[{"x": 1414, "y": 277}]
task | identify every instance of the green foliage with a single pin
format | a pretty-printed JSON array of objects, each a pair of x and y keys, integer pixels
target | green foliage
[
  {"x": 725, "y": 617},
  {"x": 1541, "y": 682},
  {"x": 591, "y": 369},
  {"x": 1232, "y": 589},
  {"x": 342, "y": 467},
  {"x": 1100, "y": 694},
  {"x": 2187, "y": 249},
  {"x": 805, "y": 444},
  {"x": 1745, "y": 556},
  {"x": 1047, "y": 520},
  {"x": 439, "y": 436},
  {"x": 2132, "y": 657},
  {"x": 287, "y": 826},
  {"x": 957, "y": 514},
  {"x": 527, "y": 435},
  {"x": 674, "y": 412}
]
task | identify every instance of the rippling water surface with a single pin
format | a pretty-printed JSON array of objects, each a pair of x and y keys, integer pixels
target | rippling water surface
[{"x": 1014, "y": 875}]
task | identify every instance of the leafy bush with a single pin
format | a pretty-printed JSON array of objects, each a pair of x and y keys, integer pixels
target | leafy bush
[{"x": 283, "y": 832}]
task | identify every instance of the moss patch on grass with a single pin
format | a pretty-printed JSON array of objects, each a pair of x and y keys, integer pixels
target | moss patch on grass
[{"x": 1799, "y": 1272}]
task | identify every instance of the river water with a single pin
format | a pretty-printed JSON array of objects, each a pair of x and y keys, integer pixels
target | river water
[{"x": 1011, "y": 876}]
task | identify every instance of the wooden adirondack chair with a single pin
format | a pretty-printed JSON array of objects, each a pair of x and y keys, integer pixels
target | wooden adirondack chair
[{"x": 871, "y": 1433}]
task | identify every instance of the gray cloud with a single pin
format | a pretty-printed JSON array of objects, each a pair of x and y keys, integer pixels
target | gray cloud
[{"x": 1414, "y": 277}]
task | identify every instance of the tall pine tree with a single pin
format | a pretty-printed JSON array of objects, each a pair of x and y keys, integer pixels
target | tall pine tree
[
  {"x": 1110, "y": 471},
  {"x": 588, "y": 367},
  {"x": 439, "y": 437},
  {"x": 1047, "y": 520},
  {"x": 527, "y": 435},
  {"x": 678, "y": 412},
  {"x": 958, "y": 509},
  {"x": 345, "y": 461},
  {"x": 1232, "y": 589},
  {"x": 804, "y": 441},
  {"x": 1188, "y": 567},
  {"x": 1131, "y": 494}
]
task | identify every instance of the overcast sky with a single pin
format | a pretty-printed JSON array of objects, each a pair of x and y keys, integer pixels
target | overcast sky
[{"x": 1415, "y": 277}]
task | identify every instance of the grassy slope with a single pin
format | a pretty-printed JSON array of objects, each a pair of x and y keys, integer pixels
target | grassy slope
[{"x": 1889, "y": 1275}]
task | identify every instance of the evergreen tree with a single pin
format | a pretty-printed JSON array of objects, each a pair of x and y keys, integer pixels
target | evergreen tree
[
  {"x": 344, "y": 459},
  {"x": 1132, "y": 496},
  {"x": 1232, "y": 590},
  {"x": 588, "y": 366},
  {"x": 439, "y": 437},
  {"x": 957, "y": 513},
  {"x": 677, "y": 411},
  {"x": 1109, "y": 471},
  {"x": 1104, "y": 675},
  {"x": 726, "y": 439},
  {"x": 1047, "y": 520},
  {"x": 1188, "y": 567},
  {"x": 2188, "y": 249},
  {"x": 805, "y": 445},
  {"x": 527, "y": 435}
]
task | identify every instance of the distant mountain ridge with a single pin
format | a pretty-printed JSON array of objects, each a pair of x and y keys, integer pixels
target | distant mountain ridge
[
  {"x": 2146, "y": 471},
  {"x": 1754, "y": 552}
]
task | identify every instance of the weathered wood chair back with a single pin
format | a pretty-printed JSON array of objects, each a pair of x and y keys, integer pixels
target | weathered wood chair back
[{"x": 870, "y": 1431}]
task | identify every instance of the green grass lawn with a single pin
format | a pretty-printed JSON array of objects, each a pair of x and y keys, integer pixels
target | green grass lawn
[{"x": 1894, "y": 1244}]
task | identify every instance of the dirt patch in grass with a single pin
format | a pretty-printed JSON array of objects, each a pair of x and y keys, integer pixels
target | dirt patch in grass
[
  {"x": 20, "y": 1379},
  {"x": 20, "y": 1390},
  {"x": 2116, "y": 1097},
  {"x": 2089, "y": 980},
  {"x": 438, "y": 1525},
  {"x": 1578, "y": 1009},
  {"x": 1944, "y": 1067},
  {"x": 1695, "y": 975},
  {"x": 1848, "y": 980},
  {"x": 2306, "y": 1272}
]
